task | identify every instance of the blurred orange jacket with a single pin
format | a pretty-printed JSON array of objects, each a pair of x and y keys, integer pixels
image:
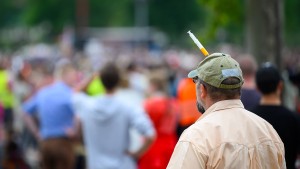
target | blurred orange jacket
[{"x": 186, "y": 94}]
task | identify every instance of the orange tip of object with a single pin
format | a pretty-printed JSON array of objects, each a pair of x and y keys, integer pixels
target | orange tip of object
[{"x": 204, "y": 51}]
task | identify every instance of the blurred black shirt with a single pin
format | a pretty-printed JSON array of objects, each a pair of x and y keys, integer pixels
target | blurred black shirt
[{"x": 286, "y": 123}]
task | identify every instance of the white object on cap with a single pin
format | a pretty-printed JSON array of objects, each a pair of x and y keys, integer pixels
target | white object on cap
[{"x": 200, "y": 46}]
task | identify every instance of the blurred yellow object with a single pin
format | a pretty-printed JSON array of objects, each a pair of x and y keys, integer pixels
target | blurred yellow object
[
  {"x": 204, "y": 51},
  {"x": 96, "y": 87},
  {"x": 6, "y": 95}
]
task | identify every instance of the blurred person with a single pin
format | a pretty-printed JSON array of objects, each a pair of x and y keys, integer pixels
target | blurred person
[
  {"x": 22, "y": 91},
  {"x": 6, "y": 93},
  {"x": 294, "y": 77},
  {"x": 55, "y": 114},
  {"x": 2, "y": 132},
  {"x": 13, "y": 157},
  {"x": 270, "y": 83},
  {"x": 163, "y": 113},
  {"x": 124, "y": 92},
  {"x": 186, "y": 95},
  {"x": 291, "y": 90},
  {"x": 226, "y": 135},
  {"x": 186, "y": 92},
  {"x": 173, "y": 65},
  {"x": 41, "y": 73},
  {"x": 137, "y": 80},
  {"x": 173, "y": 81},
  {"x": 250, "y": 96},
  {"x": 106, "y": 121}
]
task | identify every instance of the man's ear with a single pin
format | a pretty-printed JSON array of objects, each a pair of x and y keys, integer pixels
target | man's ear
[{"x": 203, "y": 91}]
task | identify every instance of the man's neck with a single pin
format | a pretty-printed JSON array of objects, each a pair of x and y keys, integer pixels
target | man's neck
[
  {"x": 270, "y": 99},
  {"x": 110, "y": 92},
  {"x": 64, "y": 82}
]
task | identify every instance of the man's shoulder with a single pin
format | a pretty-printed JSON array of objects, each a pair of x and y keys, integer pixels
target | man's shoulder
[
  {"x": 50, "y": 88},
  {"x": 288, "y": 112},
  {"x": 215, "y": 124},
  {"x": 198, "y": 133},
  {"x": 279, "y": 112}
]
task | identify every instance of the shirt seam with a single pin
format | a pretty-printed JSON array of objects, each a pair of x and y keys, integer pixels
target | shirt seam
[
  {"x": 199, "y": 149},
  {"x": 248, "y": 146}
]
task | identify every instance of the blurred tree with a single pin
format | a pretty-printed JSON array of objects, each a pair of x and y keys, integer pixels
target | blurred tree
[
  {"x": 171, "y": 16},
  {"x": 213, "y": 20},
  {"x": 107, "y": 13},
  {"x": 225, "y": 20},
  {"x": 262, "y": 20},
  {"x": 176, "y": 17},
  {"x": 81, "y": 23},
  {"x": 9, "y": 12},
  {"x": 56, "y": 13},
  {"x": 292, "y": 22},
  {"x": 264, "y": 30}
]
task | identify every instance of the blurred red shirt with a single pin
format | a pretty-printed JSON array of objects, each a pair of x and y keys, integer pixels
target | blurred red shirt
[{"x": 164, "y": 115}]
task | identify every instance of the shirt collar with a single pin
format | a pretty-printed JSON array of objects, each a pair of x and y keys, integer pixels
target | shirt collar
[{"x": 222, "y": 105}]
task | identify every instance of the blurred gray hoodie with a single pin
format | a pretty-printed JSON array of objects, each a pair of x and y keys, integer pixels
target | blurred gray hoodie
[{"x": 106, "y": 121}]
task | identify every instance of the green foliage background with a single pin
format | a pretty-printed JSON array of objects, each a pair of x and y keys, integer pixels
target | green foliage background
[{"x": 211, "y": 20}]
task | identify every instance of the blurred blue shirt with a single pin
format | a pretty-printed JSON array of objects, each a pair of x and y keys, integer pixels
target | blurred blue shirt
[{"x": 54, "y": 110}]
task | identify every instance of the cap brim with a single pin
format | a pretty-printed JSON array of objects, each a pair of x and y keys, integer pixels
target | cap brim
[{"x": 193, "y": 73}]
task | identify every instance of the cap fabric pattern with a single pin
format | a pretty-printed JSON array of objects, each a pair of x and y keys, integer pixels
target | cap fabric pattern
[{"x": 217, "y": 67}]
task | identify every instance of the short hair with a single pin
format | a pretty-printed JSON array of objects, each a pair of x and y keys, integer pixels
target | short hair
[
  {"x": 62, "y": 67},
  {"x": 267, "y": 78},
  {"x": 110, "y": 76},
  {"x": 218, "y": 94},
  {"x": 159, "y": 83},
  {"x": 248, "y": 65}
]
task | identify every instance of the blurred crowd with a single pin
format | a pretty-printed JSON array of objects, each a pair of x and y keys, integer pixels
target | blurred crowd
[{"x": 47, "y": 92}]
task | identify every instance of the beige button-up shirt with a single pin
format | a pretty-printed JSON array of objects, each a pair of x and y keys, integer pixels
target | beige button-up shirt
[{"x": 227, "y": 136}]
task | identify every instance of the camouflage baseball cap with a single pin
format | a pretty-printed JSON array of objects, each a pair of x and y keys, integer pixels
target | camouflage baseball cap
[{"x": 217, "y": 67}]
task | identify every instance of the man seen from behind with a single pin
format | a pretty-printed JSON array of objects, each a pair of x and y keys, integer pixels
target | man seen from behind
[
  {"x": 269, "y": 82},
  {"x": 226, "y": 135},
  {"x": 106, "y": 121}
]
